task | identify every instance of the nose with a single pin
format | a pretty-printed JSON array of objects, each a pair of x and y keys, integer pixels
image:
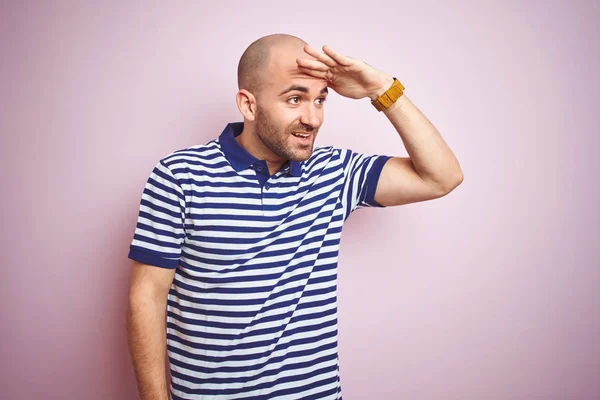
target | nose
[{"x": 312, "y": 115}]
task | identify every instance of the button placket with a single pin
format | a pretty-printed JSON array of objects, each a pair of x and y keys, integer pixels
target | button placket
[{"x": 265, "y": 198}]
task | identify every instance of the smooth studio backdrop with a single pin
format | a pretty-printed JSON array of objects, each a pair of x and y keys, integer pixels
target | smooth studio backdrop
[{"x": 488, "y": 293}]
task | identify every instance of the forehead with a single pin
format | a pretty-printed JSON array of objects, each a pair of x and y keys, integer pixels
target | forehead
[{"x": 283, "y": 70}]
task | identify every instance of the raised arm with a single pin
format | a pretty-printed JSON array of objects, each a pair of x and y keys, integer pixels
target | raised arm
[{"x": 431, "y": 170}]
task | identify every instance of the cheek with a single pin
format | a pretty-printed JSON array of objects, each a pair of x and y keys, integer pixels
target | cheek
[{"x": 286, "y": 119}]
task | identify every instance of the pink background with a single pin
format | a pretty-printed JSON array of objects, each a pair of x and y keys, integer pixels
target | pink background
[{"x": 489, "y": 293}]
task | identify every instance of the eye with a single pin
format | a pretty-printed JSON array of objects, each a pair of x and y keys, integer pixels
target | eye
[
  {"x": 322, "y": 100},
  {"x": 294, "y": 100}
]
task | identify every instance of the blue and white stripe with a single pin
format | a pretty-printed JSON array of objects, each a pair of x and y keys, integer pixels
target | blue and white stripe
[{"x": 252, "y": 311}]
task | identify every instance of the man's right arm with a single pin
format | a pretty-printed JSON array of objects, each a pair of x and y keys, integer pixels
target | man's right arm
[{"x": 146, "y": 328}]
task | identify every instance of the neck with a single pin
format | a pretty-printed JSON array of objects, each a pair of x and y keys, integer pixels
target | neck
[{"x": 253, "y": 145}]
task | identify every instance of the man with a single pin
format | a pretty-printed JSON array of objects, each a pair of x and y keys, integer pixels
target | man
[{"x": 237, "y": 240}]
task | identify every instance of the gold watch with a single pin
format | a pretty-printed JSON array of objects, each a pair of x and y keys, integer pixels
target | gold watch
[{"x": 389, "y": 97}]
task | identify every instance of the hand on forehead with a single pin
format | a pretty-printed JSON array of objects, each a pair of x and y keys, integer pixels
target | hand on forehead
[
  {"x": 283, "y": 65},
  {"x": 272, "y": 61}
]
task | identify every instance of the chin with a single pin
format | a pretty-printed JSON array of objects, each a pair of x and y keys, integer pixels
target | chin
[
  {"x": 302, "y": 158},
  {"x": 299, "y": 156}
]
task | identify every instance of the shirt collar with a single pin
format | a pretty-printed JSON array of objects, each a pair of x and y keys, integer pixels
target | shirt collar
[{"x": 238, "y": 157}]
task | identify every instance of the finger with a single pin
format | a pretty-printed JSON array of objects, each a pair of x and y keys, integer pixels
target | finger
[
  {"x": 313, "y": 64},
  {"x": 315, "y": 73},
  {"x": 324, "y": 58},
  {"x": 340, "y": 59}
]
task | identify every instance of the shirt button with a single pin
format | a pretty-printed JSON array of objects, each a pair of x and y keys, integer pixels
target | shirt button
[
  {"x": 259, "y": 168},
  {"x": 266, "y": 187}
]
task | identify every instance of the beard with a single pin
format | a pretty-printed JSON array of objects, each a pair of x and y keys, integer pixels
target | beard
[{"x": 278, "y": 141}]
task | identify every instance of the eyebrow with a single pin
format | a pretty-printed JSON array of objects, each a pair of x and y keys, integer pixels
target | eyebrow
[{"x": 302, "y": 89}]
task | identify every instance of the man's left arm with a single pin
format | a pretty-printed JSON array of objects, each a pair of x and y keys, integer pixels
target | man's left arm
[{"x": 430, "y": 171}]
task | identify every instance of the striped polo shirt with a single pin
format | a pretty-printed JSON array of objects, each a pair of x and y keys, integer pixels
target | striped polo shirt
[{"x": 252, "y": 310}]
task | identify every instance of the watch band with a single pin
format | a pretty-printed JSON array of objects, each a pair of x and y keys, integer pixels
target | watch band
[{"x": 389, "y": 97}]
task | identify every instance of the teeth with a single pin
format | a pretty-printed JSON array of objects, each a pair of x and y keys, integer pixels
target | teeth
[{"x": 302, "y": 136}]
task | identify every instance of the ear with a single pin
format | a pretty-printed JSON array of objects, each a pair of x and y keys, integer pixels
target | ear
[{"x": 246, "y": 103}]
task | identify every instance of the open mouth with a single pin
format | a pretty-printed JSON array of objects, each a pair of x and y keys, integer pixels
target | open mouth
[{"x": 302, "y": 136}]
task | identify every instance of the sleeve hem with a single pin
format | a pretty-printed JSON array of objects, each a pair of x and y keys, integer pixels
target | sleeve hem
[
  {"x": 373, "y": 180},
  {"x": 151, "y": 259}
]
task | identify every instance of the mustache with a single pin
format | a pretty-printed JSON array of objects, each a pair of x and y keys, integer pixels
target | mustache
[{"x": 305, "y": 129}]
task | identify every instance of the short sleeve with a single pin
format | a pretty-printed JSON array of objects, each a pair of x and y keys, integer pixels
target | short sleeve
[
  {"x": 361, "y": 175},
  {"x": 159, "y": 233}
]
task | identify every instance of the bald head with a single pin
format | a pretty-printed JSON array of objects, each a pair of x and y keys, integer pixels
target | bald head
[{"x": 254, "y": 63}]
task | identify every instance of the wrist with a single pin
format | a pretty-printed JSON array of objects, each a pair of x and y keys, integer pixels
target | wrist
[{"x": 385, "y": 83}]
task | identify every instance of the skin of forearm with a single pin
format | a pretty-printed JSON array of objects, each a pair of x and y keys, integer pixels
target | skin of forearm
[
  {"x": 431, "y": 156},
  {"x": 146, "y": 334}
]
